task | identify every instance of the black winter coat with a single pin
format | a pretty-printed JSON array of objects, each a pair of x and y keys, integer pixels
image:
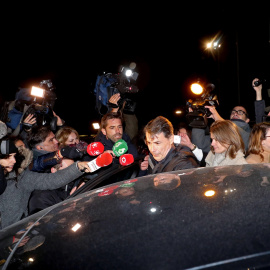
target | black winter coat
[{"x": 178, "y": 158}]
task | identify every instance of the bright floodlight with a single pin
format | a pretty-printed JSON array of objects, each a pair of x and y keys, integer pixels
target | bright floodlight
[
  {"x": 96, "y": 125},
  {"x": 209, "y": 45},
  {"x": 128, "y": 72},
  {"x": 37, "y": 92},
  {"x": 196, "y": 88}
]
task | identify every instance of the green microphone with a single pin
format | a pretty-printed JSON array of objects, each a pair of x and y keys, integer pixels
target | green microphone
[{"x": 120, "y": 148}]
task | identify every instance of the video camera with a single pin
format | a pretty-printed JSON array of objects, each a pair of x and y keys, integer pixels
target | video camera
[
  {"x": 124, "y": 83},
  {"x": 41, "y": 101},
  {"x": 198, "y": 117}
]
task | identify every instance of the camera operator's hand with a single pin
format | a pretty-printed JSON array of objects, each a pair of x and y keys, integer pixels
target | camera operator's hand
[
  {"x": 258, "y": 89},
  {"x": 29, "y": 121},
  {"x": 60, "y": 122},
  {"x": 114, "y": 100},
  {"x": 215, "y": 115}
]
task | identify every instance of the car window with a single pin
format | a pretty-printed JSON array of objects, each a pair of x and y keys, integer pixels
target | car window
[{"x": 109, "y": 176}]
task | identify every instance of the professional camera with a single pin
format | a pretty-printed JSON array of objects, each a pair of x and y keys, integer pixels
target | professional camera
[
  {"x": 126, "y": 86},
  {"x": 41, "y": 101},
  {"x": 198, "y": 117},
  {"x": 109, "y": 84}
]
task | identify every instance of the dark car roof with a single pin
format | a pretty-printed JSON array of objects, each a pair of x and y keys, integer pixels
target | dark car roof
[{"x": 164, "y": 221}]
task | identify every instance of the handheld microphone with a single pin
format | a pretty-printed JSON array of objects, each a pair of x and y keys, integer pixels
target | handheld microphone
[
  {"x": 120, "y": 148},
  {"x": 126, "y": 159},
  {"x": 95, "y": 148},
  {"x": 102, "y": 160}
]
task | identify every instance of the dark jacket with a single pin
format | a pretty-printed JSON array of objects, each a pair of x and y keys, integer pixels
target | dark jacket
[
  {"x": 178, "y": 158},
  {"x": 259, "y": 110},
  {"x": 43, "y": 161},
  {"x": 108, "y": 144}
]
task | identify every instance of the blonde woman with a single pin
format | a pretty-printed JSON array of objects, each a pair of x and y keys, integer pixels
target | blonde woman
[
  {"x": 259, "y": 144},
  {"x": 68, "y": 136},
  {"x": 227, "y": 147}
]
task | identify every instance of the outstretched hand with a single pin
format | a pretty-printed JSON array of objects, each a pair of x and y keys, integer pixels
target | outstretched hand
[
  {"x": 30, "y": 119},
  {"x": 59, "y": 120},
  {"x": 258, "y": 89},
  {"x": 214, "y": 114},
  {"x": 114, "y": 100}
]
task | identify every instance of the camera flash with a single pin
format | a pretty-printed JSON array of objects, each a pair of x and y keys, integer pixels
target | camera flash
[{"x": 37, "y": 92}]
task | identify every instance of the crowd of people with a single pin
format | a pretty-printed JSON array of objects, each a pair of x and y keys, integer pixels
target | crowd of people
[{"x": 40, "y": 167}]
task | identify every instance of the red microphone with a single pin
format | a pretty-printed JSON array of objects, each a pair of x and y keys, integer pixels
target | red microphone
[
  {"x": 95, "y": 148},
  {"x": 126, "y": 159},
  {"x": 102, "y": 160}
]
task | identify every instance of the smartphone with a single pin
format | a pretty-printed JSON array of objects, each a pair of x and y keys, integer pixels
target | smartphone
[{"x": 177, "y": 139}]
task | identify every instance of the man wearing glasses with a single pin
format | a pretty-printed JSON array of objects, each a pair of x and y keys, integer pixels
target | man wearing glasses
[{"x": 238, "y": 115}]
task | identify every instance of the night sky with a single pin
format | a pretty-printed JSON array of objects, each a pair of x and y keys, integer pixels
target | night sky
[{"x": 72, "y": 45}]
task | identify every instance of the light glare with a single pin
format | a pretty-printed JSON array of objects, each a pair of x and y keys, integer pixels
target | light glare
[
  {"x": 38, "y": 92},
  {"x": 209, "y": 45},
  {"x": 96, "y": 125},
  {"x": 196, "y": 88},
  {"x": 209, "y": 193},
  {"x": 128, "y": 72},
  {"x": 76, "y": 227}
]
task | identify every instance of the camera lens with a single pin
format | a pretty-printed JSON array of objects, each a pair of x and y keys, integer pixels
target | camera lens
[{"x": 257, "y": 83}]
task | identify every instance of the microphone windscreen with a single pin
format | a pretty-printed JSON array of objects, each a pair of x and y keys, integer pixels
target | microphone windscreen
[
  {"x": 126, "y": 159},
  {"x": 104, "y": 159},
  {"x": 95, "y": 148},
  {"x": 120, "y": 148}
]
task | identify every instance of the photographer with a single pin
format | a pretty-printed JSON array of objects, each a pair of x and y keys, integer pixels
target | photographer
[
  {"x": 31, "y": 107},
  {"x": 259, "y": 102},
  {"x": 239, "y": 116},
  {"x": 131, "y": 121}
]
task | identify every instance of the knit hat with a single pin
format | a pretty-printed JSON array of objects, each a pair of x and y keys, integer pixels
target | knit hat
[
  {"x": 3, "y": 129},
  {"x": 7, "y": 147}
]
